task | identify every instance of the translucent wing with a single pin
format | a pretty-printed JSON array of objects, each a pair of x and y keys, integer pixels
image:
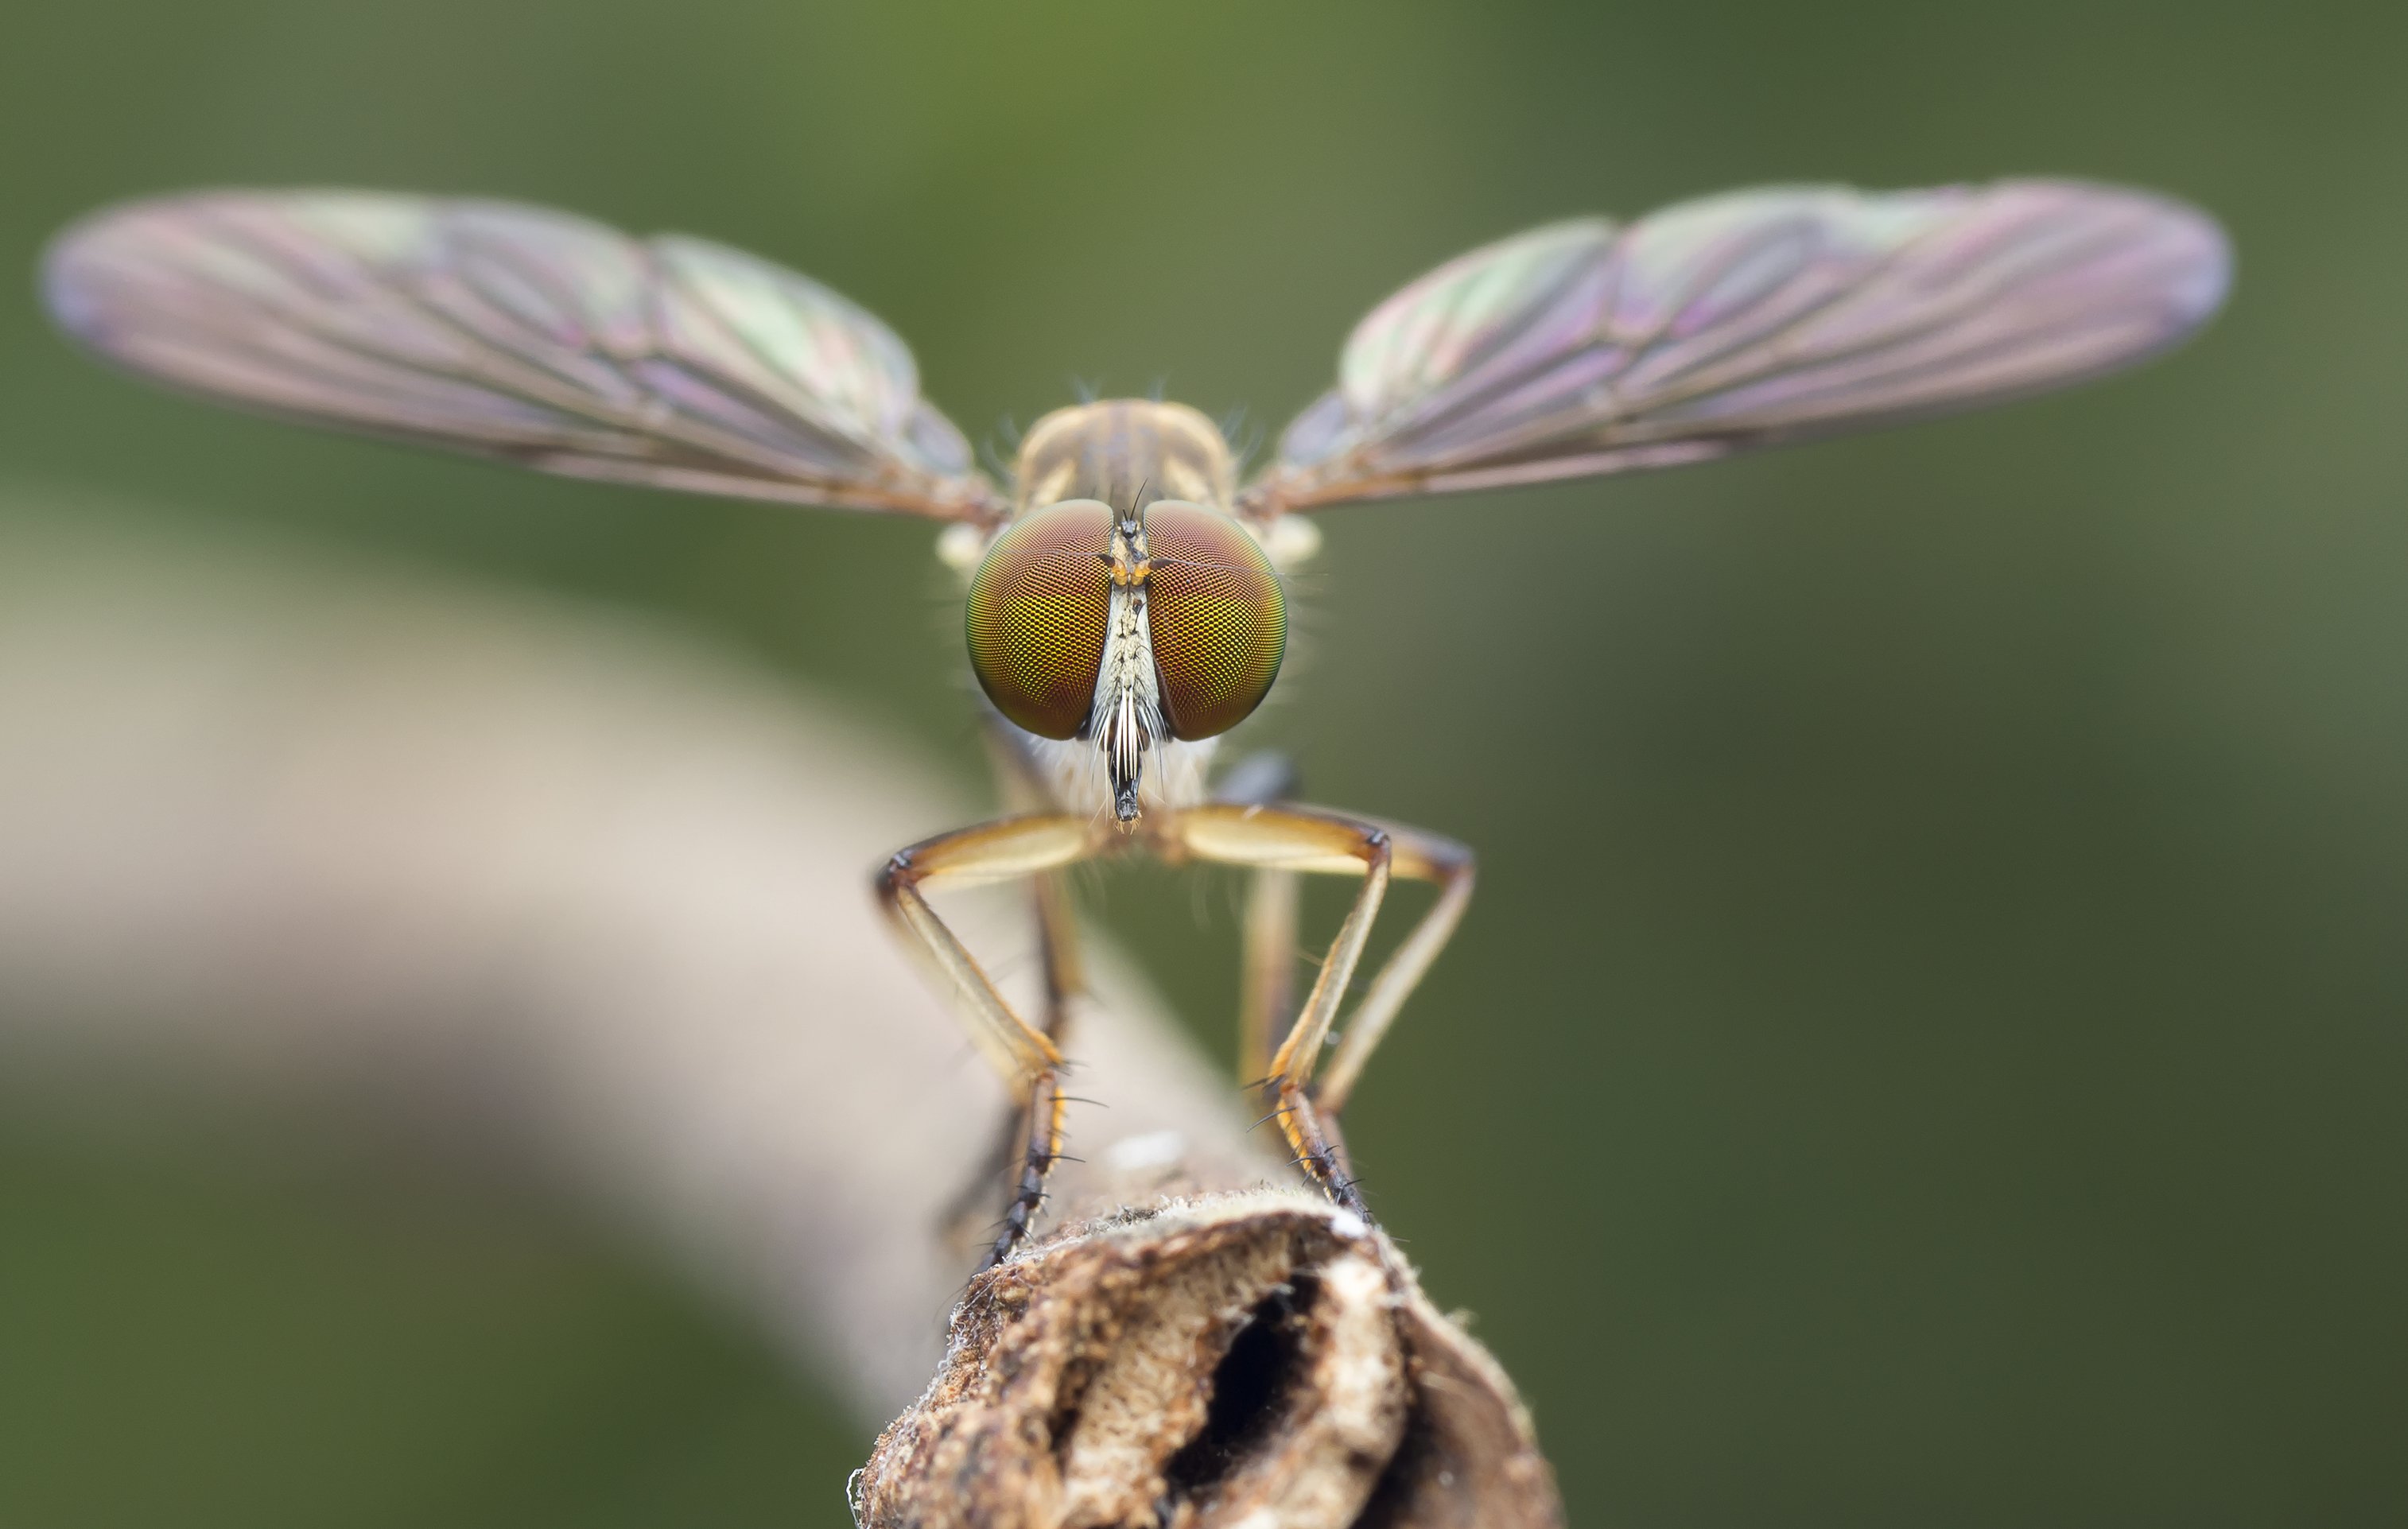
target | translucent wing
[
  {"x": 1742, "y": 320},
  {"x": 520, "y": 333}
]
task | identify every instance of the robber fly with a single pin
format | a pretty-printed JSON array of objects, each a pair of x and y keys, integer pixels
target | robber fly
[{"x": 1124, "y": 604}]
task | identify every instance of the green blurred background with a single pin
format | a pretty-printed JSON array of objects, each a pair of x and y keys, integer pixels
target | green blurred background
[{"x": 1929, "y": 1043}]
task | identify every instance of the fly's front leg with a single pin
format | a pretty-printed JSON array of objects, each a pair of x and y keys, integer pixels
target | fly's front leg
[
  {"x": 1307, "y": 840},
  {"x": 1027, "y": 1058},
  {"x": 1022, "y": 787}
]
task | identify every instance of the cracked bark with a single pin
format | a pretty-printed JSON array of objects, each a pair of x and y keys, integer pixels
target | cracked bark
[{"x": 505, "y": 871}]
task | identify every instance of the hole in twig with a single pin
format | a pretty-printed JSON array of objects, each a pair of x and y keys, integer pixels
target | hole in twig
[{"x": 1250, "y": 1391}]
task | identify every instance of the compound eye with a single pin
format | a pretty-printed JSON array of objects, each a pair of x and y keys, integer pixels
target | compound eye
[
  {"x": 1038, "y": 610},
  {"x": 1218, "y": 619}
]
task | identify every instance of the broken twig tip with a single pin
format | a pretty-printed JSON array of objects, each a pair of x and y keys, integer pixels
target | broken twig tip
[{"x": 1258, "y": 1359}]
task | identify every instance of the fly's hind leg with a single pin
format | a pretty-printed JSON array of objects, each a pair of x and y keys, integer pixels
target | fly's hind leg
[
  {"x": 1025, "y": 1056},
  {"x": 1284, "y": 840}
]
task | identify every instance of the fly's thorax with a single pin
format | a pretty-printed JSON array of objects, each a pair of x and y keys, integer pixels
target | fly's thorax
[
  {"x": 1128, "y": 630},
  {"x": 1126, "y": 452},
  {"x": 1122, "y": 451}
]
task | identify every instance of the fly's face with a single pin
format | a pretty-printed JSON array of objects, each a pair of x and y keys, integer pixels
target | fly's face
[{"x": 1126, "y": 629}]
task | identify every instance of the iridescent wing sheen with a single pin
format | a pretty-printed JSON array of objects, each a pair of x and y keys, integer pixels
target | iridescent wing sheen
[
  {"x": 1742, "y": 320},
  {"x": 520, "y": 333}
]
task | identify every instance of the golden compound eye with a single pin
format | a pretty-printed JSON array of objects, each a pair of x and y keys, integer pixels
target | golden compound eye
[
  {"x": 1038, "y": 609},
  {"x": 1218, "y": 619}
]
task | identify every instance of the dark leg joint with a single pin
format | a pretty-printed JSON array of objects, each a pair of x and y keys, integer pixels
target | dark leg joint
[{"x": 893, "y": 878}]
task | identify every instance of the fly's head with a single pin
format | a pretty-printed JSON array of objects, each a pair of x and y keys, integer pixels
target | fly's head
[{"x": 1125, "y": 629}]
